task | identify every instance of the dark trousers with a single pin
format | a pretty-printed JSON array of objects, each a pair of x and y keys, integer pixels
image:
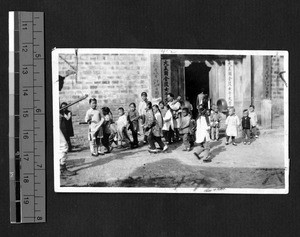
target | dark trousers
[
  {"x": 254, "y": 130},
  {"x": 232, "y": 138},
  {"x": 246, "y": 134},
  {"x": 105, "y": 140},
  {"x": 152, "y": 139},
  {"x": 169, "y": 135},
  {"x": 135, "y": 136}
]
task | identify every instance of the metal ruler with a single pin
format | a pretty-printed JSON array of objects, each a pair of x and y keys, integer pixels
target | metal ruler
[{"x": 26, "y": 117}]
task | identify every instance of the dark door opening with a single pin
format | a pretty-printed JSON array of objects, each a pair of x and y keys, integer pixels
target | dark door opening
[{"x": 196, "y": 78}]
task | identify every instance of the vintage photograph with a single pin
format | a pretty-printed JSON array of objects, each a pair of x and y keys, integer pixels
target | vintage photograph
[{"x": 173, "y": 121}]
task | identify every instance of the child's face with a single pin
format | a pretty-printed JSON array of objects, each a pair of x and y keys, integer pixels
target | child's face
[
  {"x": 132, "y": 107},
  {"x": 231, "y": 111},
  {"x": 144, "y": 97},
  {"x": 184, "y": 113},
  {"x": 216, "y": 110},
  {"x": 93, "y": 104},
  {"x": 251, "y": 109},
  {"x": 161, "y": 106},
  {"x": 155, "y": 109},
  {"x": 245, "y": 113},
  {"x": 120, "y": 112}
]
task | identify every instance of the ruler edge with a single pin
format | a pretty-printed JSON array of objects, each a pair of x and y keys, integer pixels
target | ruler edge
[{"x": 12, "y": 160}]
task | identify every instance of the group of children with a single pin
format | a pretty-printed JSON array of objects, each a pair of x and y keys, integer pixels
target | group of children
[{"x": 171, "y": 122}]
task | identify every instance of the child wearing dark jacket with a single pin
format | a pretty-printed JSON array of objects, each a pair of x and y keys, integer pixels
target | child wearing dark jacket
[{"x": 246, "y": 126}]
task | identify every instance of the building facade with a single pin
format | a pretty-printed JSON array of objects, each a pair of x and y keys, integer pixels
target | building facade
[{"x": 116, "y": 80}]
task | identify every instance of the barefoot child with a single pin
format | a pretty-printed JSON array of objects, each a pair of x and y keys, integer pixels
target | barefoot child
[
  {"x": 232, "y": 123},
  {"x": 95, "y": 121},
  {"x": 202, "y": 136}
]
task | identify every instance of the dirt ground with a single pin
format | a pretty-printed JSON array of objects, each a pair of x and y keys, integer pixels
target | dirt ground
[{"x": 259, "y": 165}]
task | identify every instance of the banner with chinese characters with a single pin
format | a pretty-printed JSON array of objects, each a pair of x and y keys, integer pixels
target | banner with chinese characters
[
  {"x": 166, "y": 77},
  {"x": 155, "y": 75},
  {"x": 267, "y": 81},
  {"x": 229, "y": 82}
]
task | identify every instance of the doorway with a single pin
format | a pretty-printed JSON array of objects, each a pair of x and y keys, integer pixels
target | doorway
[{"x": 196, "y": 78}]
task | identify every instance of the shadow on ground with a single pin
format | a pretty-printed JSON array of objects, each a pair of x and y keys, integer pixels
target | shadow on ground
[{"x": 170, "y": 173}]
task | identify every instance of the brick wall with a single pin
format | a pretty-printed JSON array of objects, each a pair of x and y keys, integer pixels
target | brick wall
[{"x": 114, "y": 80}]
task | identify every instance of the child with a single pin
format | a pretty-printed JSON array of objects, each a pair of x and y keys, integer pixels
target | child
[
  {"x": 108, "y": 120},
  {"x": 122, "y": 124},
  {"x": 185, "y": 128},
  {"x": 246, "y": 124},
  {"x": 253, "y": 116},
  {"x": 168, "y": 126},
  {"x": 142, "y": 113},
  {"x": 215, "y": 119},
  {"x": 202, "y": 135},
  {"x": 133, "y": 117},
  {"x": 232, "y": 123},
  {"x": 155, "y": 133},
  {"x": 95, "y": 121},
  {"x": 176, "y": 109},
  {"x": 162, "y": 108},
  {"x": 66, "y": 125}
]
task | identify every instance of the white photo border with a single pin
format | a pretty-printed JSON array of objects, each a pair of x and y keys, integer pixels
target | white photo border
[{"x": 55, "y": 105}]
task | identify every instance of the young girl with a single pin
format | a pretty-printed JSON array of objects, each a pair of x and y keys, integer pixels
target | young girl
[
  {"x": 202, "y": 135},
  {"x": 154, "y": 123},
  {"x": 95, "y": 121},
  {"x": 185, "y": 128},
  {"x": 168, "y": 126},
  {"x": 133, "y": 117},
  {"x": 232, "y": 123},
  {"x": 107, "y": 131},
  {"x": 66, "y": 125}
]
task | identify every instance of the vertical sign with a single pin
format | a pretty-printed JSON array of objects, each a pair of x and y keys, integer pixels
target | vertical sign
[
  {"x": 229, "y": 82},
  {"x": 267, "y": 67},
  {"x": 166, "y": 77},
  {"x": 156, "y": 75}
]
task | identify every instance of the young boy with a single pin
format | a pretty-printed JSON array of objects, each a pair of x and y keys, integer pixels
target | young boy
[
  {"x": 246, "y": 124},
  {"x": 133, "y": 117},
  {"x": 95, "y": 121},
  {"x": 253, "y": 116},
  {"x": 122, "y": 125},
  {"x": 232, "y": 123},
  {"x": 185, "y": 128},
  {"x": 215, "y": 119}
]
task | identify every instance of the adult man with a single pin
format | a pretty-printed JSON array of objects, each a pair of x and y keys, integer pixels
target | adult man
[{"x": 176, "y": 108}]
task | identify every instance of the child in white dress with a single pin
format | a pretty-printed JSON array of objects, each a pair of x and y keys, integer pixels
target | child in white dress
[
  {"x": 232, "y": 123},
  {"x": 95, "y": 121},
  {"x": 202, "y": 136}
]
